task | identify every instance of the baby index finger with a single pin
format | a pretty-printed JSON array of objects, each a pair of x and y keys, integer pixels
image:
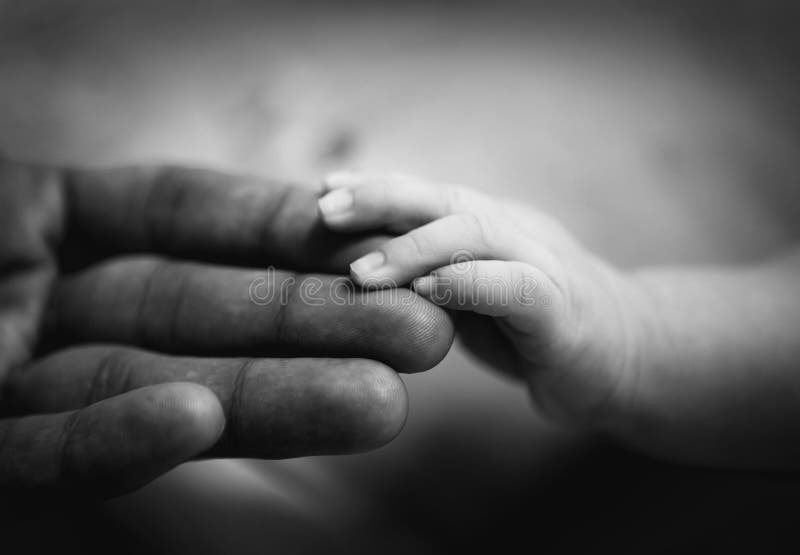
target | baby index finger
[{"x": 399, "y": 203}]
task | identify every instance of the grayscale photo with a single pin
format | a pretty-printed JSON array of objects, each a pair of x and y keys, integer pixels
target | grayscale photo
[{"x": 302, "y": 277}]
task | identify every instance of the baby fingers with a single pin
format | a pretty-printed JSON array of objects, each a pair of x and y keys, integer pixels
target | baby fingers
[
  {"x": 455, "y": 238},
  {"x": 514, "y": 290},
  {"x": 359, "y": 201}
]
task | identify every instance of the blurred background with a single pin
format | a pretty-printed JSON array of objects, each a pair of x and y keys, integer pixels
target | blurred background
[{"x": 659, "y": 132}]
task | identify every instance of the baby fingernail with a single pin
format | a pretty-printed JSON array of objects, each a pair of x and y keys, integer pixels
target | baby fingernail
[
  {"x": 423, "y": 285},
  {"x": 336, "y": 203},
  {"x": 367, "y": 264}
]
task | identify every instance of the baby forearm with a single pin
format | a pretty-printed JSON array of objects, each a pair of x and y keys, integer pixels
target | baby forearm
[
  {"x": 719, "y": 365},
  {"x": 696, "y": 365}
]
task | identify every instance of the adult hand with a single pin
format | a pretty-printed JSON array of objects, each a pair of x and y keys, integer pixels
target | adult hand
[{"x": 98, "y": 269}]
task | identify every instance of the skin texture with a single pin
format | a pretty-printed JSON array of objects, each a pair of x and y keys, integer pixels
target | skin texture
[
  {"x": 695, "y": 365},
  {"x": 101, "y": 269}
]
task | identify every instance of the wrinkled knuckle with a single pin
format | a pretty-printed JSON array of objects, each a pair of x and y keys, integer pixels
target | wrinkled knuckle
[
  {"x": 290, "y": 296},
  {"x": 111, "y": 378},
  {"x": 69, "y": 457}
]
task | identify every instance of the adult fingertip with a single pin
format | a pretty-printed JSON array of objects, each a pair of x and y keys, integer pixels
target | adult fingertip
[
  {"x": 435, "y": 333},
  {"x": 378, "y": 400},
  {"x": 425, "y": 335},
  {"x": 124, "y": 442},
  {"x": 196, "y": 413},
  {"x": 301, "y": 407},
  {"x": 169, "y": 424}
]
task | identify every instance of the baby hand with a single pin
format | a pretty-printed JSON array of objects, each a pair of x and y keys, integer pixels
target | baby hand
[{"x": 566, "y": 318}]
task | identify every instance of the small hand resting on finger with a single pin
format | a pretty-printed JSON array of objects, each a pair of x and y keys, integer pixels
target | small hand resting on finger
[
  {"x": 673, "y": 361},
  {"x": 558, "y": 310}
]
